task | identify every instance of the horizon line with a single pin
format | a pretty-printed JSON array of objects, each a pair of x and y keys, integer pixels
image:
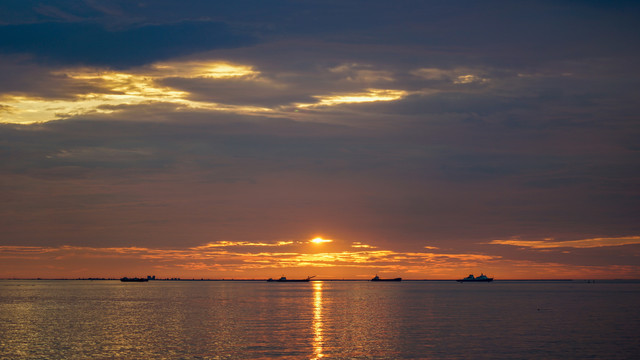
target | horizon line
[{"x": 316, "y": 279}]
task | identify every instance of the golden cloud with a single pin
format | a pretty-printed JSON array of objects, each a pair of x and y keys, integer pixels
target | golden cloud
[
  {"x": 112, "y": 89},
  {"x": 104, "y": 91},
  {"x": 205, "y": 69},
  {"x": 357, "y": 244},
  {"x": 370, "y": 95}
]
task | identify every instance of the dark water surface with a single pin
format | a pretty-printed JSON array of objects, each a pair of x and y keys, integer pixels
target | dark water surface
[{"x": 332, "y": 320}]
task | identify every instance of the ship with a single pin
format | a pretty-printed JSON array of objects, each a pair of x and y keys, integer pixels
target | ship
[
  {"x": 377, "y": 278},
  {"x": 284, "y": 279},
  {"x": 471, "y": 278},
  {"x": 135, "y": 279}
]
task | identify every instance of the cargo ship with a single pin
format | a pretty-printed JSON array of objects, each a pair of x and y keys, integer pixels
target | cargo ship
[
  {"x": 284, "y": 279},
  {"x": 377, "y": 278},
  {"x": 471, "y": 278}
]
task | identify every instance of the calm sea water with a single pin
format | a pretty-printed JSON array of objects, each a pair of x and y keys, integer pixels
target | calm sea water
[{"x": 332, "y": 320}]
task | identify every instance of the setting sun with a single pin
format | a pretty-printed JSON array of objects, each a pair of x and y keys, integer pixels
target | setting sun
[{"x": 320, "y": 240}]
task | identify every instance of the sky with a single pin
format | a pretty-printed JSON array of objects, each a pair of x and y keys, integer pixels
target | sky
[{"x": 414, "y": 139}]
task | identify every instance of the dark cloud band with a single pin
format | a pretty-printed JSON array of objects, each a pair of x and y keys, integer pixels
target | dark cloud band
[{"x": 92, "y": 44}]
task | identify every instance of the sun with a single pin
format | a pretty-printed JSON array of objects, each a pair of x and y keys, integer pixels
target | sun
[{"x": 320, "y": 240}]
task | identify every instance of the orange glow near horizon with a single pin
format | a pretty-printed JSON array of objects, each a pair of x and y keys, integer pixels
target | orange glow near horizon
[{"x": 256, "y": 260}]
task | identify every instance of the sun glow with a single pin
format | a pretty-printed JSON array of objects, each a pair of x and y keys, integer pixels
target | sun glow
[{"x": 320, "y": 240}]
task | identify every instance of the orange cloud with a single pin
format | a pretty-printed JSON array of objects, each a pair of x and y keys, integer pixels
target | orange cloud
[
  {"x": 240, "y": 243},
  {"x": 578, "y": 244},
  {"x": 213, "y": 256},
  {"x": 226, "y": 257},
  {"x": 357, "y": 244}
]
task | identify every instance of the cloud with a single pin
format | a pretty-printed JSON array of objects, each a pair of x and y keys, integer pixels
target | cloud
[
  {"x": 6, "y": 108},
  {"x": 188, "y": 85},
  {"x": 100, "y": 155},
  {"x": 576, "y": 244},
  {"x": 357, "y": 244},
  {"x": 362, "y": 73},
  {"x": 224, "y": 244},
  {"x": 233, "y": 258},
  {"x": 469, "y": 79},
  {"x": 369, "y": 95},
  {"x": 215, "y": 262},
  {"x": 95, "y": 90},
  {"x": 218, "y": 253},
  {"x": 454, "y": 76}
]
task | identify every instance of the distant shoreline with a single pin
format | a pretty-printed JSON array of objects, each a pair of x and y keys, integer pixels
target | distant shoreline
[{"x": 336, "y": 280}]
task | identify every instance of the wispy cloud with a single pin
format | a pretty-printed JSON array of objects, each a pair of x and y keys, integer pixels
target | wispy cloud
[
  {"x": 578, "y": 244},
  {"x": 369, "y": 95},
  {"x": 454, "y": 76},
  {"x": 222, "y": 244},
  {"x": 357, "y": 244}
]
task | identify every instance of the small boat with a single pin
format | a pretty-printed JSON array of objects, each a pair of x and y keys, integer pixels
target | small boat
[
  {"x": 471, "y": 278},
  {"x": 135, "y": 279},
  {"x": 377, "y": 278},
  {"x": 284, "y": 279}
]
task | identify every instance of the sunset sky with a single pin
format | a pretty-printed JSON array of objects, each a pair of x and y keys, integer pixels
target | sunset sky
[{"x": 421, "y": 139}]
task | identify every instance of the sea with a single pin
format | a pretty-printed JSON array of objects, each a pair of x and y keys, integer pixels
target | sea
[{"x": 109, "y": 319}]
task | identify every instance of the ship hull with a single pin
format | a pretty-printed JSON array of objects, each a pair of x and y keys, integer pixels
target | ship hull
[
  {"x": 475, "y": 280},
  {"x": 396, "y": 279},
  {"x": 304, "y": 280}
]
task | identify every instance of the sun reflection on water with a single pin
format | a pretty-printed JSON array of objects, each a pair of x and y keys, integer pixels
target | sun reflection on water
[{"x": 317, "y": 320}]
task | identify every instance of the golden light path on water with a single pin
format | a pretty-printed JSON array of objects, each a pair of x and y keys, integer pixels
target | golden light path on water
[{"x": 317, "y": 320}]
